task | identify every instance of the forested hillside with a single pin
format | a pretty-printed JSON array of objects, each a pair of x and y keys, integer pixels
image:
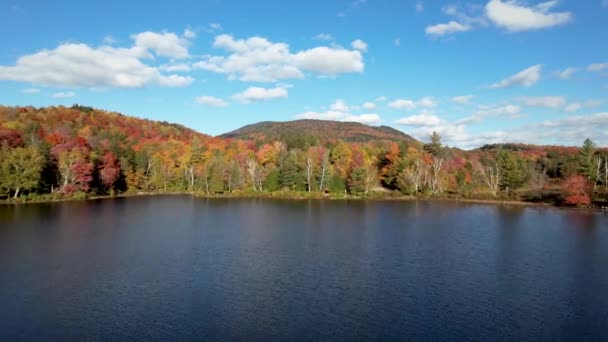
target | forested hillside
[
  {"x": 318, "y": 130},
  {"x": 60, "y": 152}
]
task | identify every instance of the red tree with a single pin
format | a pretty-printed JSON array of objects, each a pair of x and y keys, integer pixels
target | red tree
[
  {"x": 576, "y": 188},
  {"x": 109, "y": 170}
]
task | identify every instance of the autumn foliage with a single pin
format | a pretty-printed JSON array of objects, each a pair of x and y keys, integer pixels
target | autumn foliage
[{"x": 77, "y": 151}]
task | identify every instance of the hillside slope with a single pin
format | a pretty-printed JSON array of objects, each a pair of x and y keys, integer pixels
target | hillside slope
[{"x": 321, "y": 129}]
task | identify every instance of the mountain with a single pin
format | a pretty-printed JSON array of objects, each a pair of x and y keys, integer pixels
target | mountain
[
  {"x": 322, "y": 129},
  {"x": 97, "y": 127}
]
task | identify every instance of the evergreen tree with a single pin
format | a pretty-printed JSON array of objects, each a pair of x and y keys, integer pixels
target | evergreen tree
[
  {"x": 512, "y": 169},
  {"x": 586, "y": 163},
  {"x": 434, "y": 147}
]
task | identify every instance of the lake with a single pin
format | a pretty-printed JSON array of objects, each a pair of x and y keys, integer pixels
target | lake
[{"x": 180, "y": 268}]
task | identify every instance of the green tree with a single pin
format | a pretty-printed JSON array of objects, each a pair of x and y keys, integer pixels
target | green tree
[
  {"x": 587, "y": 164},
  {"x": 512, "y": 169},
  {"x": 434, "y": 147},
  {"x": 20, "y": 168},
  {"x": 292, "y": 173}
]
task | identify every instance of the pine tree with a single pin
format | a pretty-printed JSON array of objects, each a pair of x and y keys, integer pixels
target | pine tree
[
  {"x": 587, "y": 164},
  {"x": 512, "y": 170}
]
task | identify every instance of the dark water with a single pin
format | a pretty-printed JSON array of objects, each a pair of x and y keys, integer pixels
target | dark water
[{"x": 177, "y": 268}]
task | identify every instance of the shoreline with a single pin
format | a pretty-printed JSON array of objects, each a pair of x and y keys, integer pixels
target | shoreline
[{"x": 305, "y": 196}]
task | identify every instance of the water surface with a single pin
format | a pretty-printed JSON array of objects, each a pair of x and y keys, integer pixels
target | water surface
[{"x": 179, "y": 268}]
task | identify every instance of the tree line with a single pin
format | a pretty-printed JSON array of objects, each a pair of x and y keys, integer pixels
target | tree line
[{"x": 79, "y": 151}]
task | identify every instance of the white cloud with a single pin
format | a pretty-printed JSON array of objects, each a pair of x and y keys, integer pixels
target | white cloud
[
  {"x": 211, "y": 101},
  {"x": 566, "y": 73},
  {"x": 359, "y": 45},
  {"x": 380, "y": 99},
  {"x": 175, "y": 81},
  {"x": 526, "y": 78},
  {"x": 254, "y": 94},
  {"x": 163, "y": 44},
  {"x": 367, "y": 119},
  {"x": 329, "y": 61},
  {"x": 553, "y": 102},
  {"x": 176, "y": 67},
  {"x": 427, "y": 102},
  {"x": 259, "y": 60},
  {"x": 402, "y": 104},
  {"x": 597, "y": 67},
  {"x": 420, "y": 7},
  {"x": 80, "y": 65},
  {"x": 63, "y": 95},
  {"x": 450, "y": 27},
  {"x": 592, "y": 103},
  {"x": 188, "y": 33},
  {"x": 507, "y": 110},
  {"x": 339, "y": 106},
  {"x": 369, "y": 105},
  {"x": 31, "y": 91},
  {"x": 109, "y": 40},
  {"x": 514, "y": 16},
  {"x": 573, "y": 107},
  {"x": 216, "y": 26},
  {"x": 464, "y": 99},
  {"x": 425, "y": 118},
  {"x": 324, "y": 36}
]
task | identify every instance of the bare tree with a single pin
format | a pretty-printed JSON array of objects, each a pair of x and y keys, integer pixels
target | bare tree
[
  {"x": 308, "y": 168},
  {"x": 492, "y": 177},
  {"x": 252, "y": 166},
  {"x": 435, "y": 181},
  {"x": 324, "y": 166}
]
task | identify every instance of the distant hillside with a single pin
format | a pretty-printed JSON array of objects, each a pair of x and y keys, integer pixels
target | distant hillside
[
  {"x": 321, "y": 129},
  {"x": 96, "y": 126}
]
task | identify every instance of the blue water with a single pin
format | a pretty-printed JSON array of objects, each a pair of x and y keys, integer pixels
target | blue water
[{"x": 179, "y": 268}]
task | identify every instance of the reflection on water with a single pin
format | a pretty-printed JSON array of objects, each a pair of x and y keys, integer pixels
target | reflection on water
[{"x": 166, "y": 268}]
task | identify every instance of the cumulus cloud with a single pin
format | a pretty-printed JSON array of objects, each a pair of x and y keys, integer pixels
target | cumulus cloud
[
  {"x": 427, "y": 102},
  {"x": 367, "y": 119},
  {"x": 63, "y": 95},
  {"x": 188, "y": 33},
  {"x": 339, "y": 106},
  {"x": 254, "y": 94},
  {"x": 553, "y": 102},
  {"x": 211, "y": 101},
  {"x": 515, "y": 16},
  {"x": 526, "y": 78},
  {"x": 425, "y": 118},
  {"x": 380, "y": 99},
  {"x": 448, "y": 28},
  {"x": 260, "y": 60},
  {"x": 463, "y": 99},
  {"x": 163, "y": 44},
  {"x": 402, "y": 104},
  {"x": 80, "y": 65},
  {"x": 175, "y": 81},
  {"x": 340, "y": 111},
  {"x": 359, "y": 45},
  {"x": 369, "y": 105}
]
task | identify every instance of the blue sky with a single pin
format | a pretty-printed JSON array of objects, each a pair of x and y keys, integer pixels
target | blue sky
[{"x": 478, "y": 72}]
